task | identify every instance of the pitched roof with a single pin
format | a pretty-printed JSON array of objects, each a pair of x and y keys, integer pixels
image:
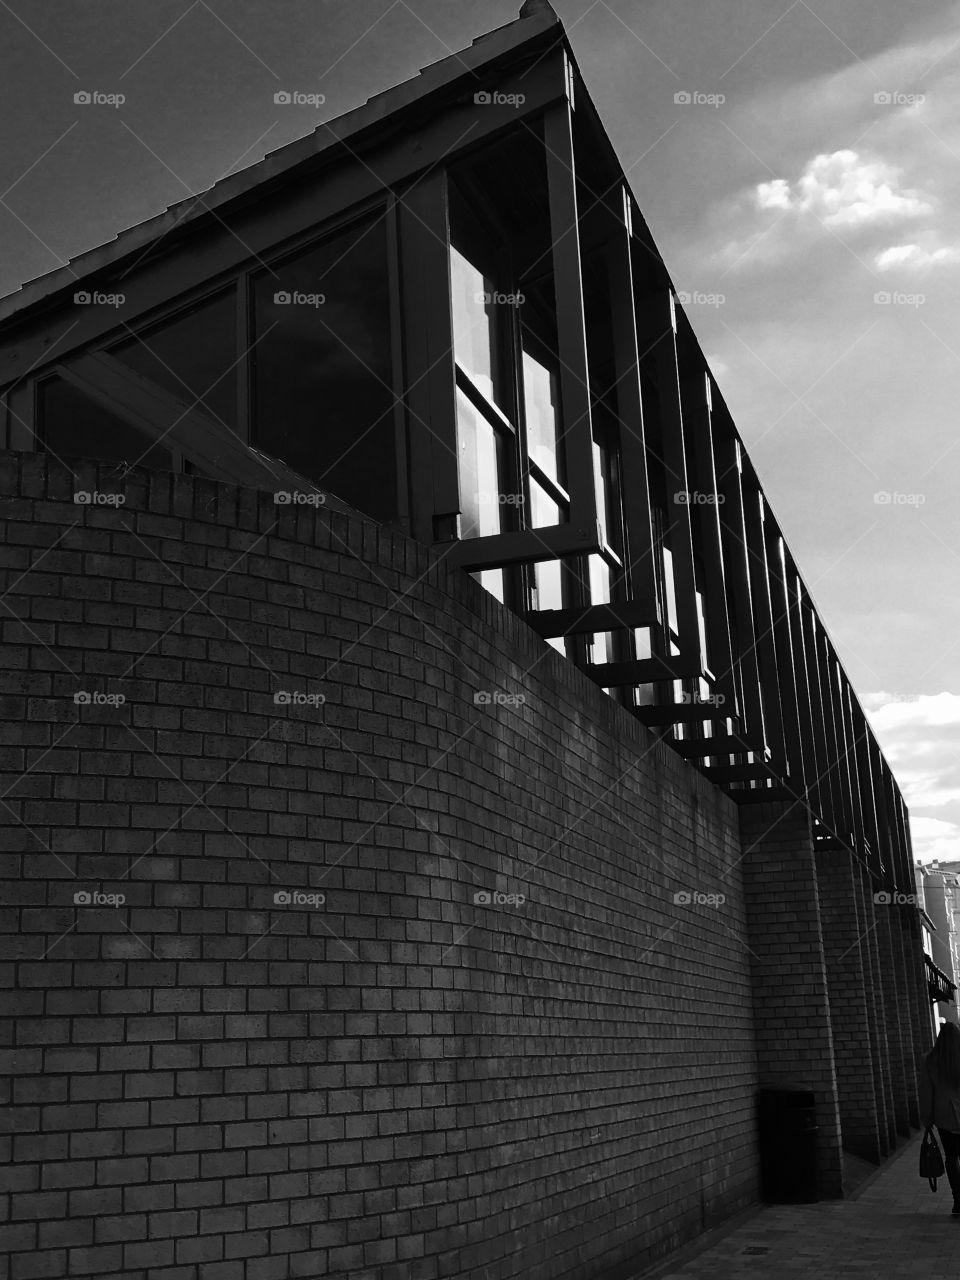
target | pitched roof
[{"x": 537, "y": 20}]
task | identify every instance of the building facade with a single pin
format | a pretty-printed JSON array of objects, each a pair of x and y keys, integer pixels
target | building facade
[
  {"x": 940, "y": 883},
  {"x": 436, "y": 804}
]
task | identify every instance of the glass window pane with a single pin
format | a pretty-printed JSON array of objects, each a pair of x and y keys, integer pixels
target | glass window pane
[
  {"x": 194, "y": 356},
  {"x": 491, "y": 580},
  {"x": 599, "y": 580},
  {"x": 671, "y": 600},
  {"x": 543, "y": 510},
  {"x": 474, "y": 334},
  {"x": 481, "y": 465},
  {"x": 72, "y": 425},
  {"x": 548, "y": 581},
  {"x": 541, "y": 399},
  {"x": 600, "y": 488},
  {"x": 600, "y": 594},
  {"x": 323, "y": 372}
]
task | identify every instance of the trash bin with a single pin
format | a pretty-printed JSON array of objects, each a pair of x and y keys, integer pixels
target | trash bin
[{"x": 788, "y": 1145}]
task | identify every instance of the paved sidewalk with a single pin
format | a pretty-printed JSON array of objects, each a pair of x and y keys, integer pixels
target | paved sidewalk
[{"x": 894, "y": 1227}]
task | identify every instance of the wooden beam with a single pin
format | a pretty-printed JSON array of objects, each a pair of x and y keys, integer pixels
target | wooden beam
[
  {"x": 526, "y": 546},
  {"x": 720, "y": 745},
  {"x": 737, "y": 773},
  {"x": 657, "y": 337},
  {"x": 429, "y": 371},
  {"x": 589, "y": 619},
  {"x": 575, "y": 412},
  {"x": 773, "y": 549},
  {"x": 696, "y": 387},
  {"x": 645, "y": 671},
  {"x": 639, "y": 549},
  {"x": 762, "y": 795},
  {"x": 677, "y": 713},
  {"x": 770, "y": 675},
  {"x": 739, "y": 593}
]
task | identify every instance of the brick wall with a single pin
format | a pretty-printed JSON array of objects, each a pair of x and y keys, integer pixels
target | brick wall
[
  {"x": 219, "y": 1078},
  {"x": 844, "y": 932},
  {"x": 791, "y": 999}
]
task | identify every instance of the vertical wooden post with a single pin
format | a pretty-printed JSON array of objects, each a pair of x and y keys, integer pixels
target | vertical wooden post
[
  {"x": 576, "y": 420},
  {"x": 430, "y": 376},
  {"x": 639, "y": 544}
]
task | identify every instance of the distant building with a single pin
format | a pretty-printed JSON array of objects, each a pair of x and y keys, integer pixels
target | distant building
[{"x": 940, "y": 885}]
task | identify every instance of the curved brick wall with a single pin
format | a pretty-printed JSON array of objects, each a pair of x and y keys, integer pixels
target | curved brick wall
[{"x": 209, "y": 1081}]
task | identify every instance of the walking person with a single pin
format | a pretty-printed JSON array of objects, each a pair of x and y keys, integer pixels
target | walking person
[{"x": 940, "y": 1100}]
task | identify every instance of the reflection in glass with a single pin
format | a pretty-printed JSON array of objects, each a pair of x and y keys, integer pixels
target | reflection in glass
[
  {"x": 473, "y": 321},
  {"x": 323, "y": 367},
  {"x": 600, "y": 594},
  {"x": 193, "y": 356},
  {"x": 600, "y": 488},
  {"x": 491, "y": 580},
  {"x": 541, "y": 398},
  {"x": 671, "y": 600},
  {"x": 480, "y": 458},
  {"x": 73, "y": 425},
  {"x": 543, "y": 510}
]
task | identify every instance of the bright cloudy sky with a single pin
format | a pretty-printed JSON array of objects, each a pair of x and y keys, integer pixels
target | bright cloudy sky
[{"x": 809, "y": 187}]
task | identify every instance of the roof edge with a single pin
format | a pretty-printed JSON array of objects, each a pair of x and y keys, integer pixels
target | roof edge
[{"x": 536, "y": 19}]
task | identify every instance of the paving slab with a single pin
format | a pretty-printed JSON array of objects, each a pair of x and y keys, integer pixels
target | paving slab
[{"x": 893, "y": 1226}]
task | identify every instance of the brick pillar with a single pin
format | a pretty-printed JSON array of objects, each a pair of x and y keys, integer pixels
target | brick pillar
[
  {"x": 790, "y": 997},
  {"x": 884, "y": 996},
  {"x": 841, "y": 918},
  {"x": 871, "y": 995},
  {"x": 895, "y": 988}
]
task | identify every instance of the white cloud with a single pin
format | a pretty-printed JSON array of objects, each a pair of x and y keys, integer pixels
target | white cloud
[
  {"x": 921, "y": 739},
  {"x": 845, "y": 190},
  {"x": 915, "y": 257},
  {"x": 934, "y": 838},
  {"x": 774, "y": 195}
]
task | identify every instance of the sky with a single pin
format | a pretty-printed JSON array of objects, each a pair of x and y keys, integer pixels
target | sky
[{"x": 799, "y": 167}]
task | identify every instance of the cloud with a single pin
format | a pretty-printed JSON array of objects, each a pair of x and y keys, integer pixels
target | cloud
[
  {"x": 934, "y": 838},
  {"x": 921, "y": 739},
  {"x": 845, "y": 190},
  {"x": 915, "y": 257}
]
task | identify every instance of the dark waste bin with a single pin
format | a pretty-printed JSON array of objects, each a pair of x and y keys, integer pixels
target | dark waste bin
[{"x": 788, "y": 1145}]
